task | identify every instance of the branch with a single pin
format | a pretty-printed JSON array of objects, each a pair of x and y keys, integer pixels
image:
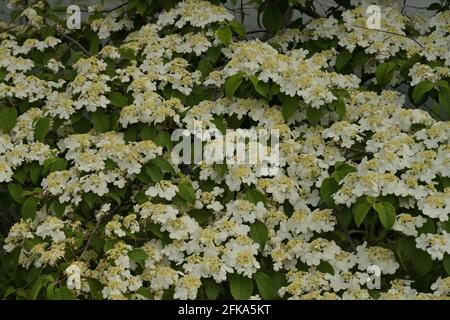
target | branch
[
  {"x": 390, "y": 32},
  {"x": 90, "y": 237},
  {"x": 75, "y": 42}
]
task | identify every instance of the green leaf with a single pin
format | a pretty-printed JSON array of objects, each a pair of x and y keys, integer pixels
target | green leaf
[
  {"x": 163, "y": 164},
  {"x": 447, "y": 263},
  {"x": 386, "y": 213},
  {"x": 221, "y": 169},
  {"x": 8, "y": 118},
  {"x": 187, "y": 192},
  {"x": 212, "y": 289},
  {"x": 341, "y": 169},
  {"x": 117, "y": 99},
  {"x": 29, "y": 208},
  {"x": 263, "y": 88},
  {"x": 255, "y": 196},
  {"x": 15, "y": 190},
  {"x": 343, "y": 59},
  {"x": 145, "y": 292},
  {"x": 154, "y": 173},
  {"x": 213, "y": 54},
  {"x": 313, "y": 115},
  {"x": 141, "y": 8},
  {"x": 272, "y": 19},
  {"x": 360, "y": 212},
  {"x": 384, "y": 73},
  {"x": 35, "y": 171},
  {"x": 241, "y": 287},
  {"x": 237, "y": 27},
  {"x": 66, "y": 294},
  {"x": 328, "y": 187},
  {"x": 421, "y": 89},
  {"x": 100, "y": 120},
  {"x": 90, "y": 199},
  {"x": 58, "y": 165},
  {"x": 38, "y": 285},
  {"x": 95, "y": 287},
  {"x": 205, "y": 67},
  {"x": 422, "y": 262},
  {"x": 289, "y": 106},
  {"x": 137, "y": 255},
  {"x": 265, "y": 285},
  {"x": 163, "y": 139},
  {"x": 339, "y": 107},
  {"x": 231, "y": 84},
  {"x": 156, "y": 230},
  {"x": 41, "y": 129},
  {"x": 325, "y": 267},
  {"x": 224, "y": 35},
  {"x": 444, "y": 99},
  {"x": 127, "y": 53},
  {"x": 259, "y": 233}
]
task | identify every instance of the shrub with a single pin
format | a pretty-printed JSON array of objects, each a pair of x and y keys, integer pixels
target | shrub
[{"x": 95, "y": 206}]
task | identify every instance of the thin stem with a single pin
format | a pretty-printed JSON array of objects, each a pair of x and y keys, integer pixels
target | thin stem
[
  {"x": 90, "y": 237},
  {"x": 390, "y": 32}
]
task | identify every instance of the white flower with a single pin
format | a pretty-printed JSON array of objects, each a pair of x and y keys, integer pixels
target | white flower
[
  {"x": 51, "y": 227},
  {"x": 164, "y": 189},
  {"x": 435, "y": 244},
  {"x": 74, "y": 277},
  {"x": 381, "y": 257}
]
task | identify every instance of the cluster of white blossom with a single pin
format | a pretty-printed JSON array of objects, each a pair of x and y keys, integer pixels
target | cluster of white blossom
[{"x": 176, "y": 229}]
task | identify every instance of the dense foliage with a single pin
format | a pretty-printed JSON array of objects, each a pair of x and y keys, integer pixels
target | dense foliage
[{"x": 93, "y": 206}]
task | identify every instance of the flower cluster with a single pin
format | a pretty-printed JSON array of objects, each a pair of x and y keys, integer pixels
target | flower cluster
[{"x": 363, "y": 182}]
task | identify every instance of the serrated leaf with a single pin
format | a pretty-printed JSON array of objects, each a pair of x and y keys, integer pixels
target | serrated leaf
[
  {"x": 212, "y": 289},
  {"x": 259, "y": 233},
  {"x": 421, "y": 89},
  {"x": 95, "y": 287},
  {"x": 289, "y": 106},
  {"x": 328, "y": 187},
  {"x": 117, "y": 99},
  {"x": 444, "y": 98},
  {"x": 384, "y": 73},
  {"x": 231, "y": 84},
  {"x": 265, "y": 285},
  {"x": 100, "y": 121},
  {"x": 343, "y": 59},
  {"x": 35, "y": 171},
  {"x": 15, "y": 190},
  {"x": 224, "y": 35},
  {"x": 137, "y": 255},
  {"x": 163, "y": 164},
  {"x": 154, "y": 173},
  {"x": 241, "y": 287},
  {"x": 255, "y": 196},
  {"x": 447, "y": 263},
  {"x": 187, "y": 192},
  {"x": 58, "y": 164},
  {"x": 29, "y": 208},
  {"x": 360, "y": 212},
  {"x": 237, "y": 27},
  {"x": 386, "y": 213},
  {"x": 272, "y": 19},
  {"x": 8, "y": 118},
  {"x": 41, "y": 129},
  {"x": 263, "y": 88},
  {"x": 313, "y": 115}
]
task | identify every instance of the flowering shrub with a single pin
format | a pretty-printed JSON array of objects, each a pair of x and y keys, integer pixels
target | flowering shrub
[{"x": 101, "y": 209}]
